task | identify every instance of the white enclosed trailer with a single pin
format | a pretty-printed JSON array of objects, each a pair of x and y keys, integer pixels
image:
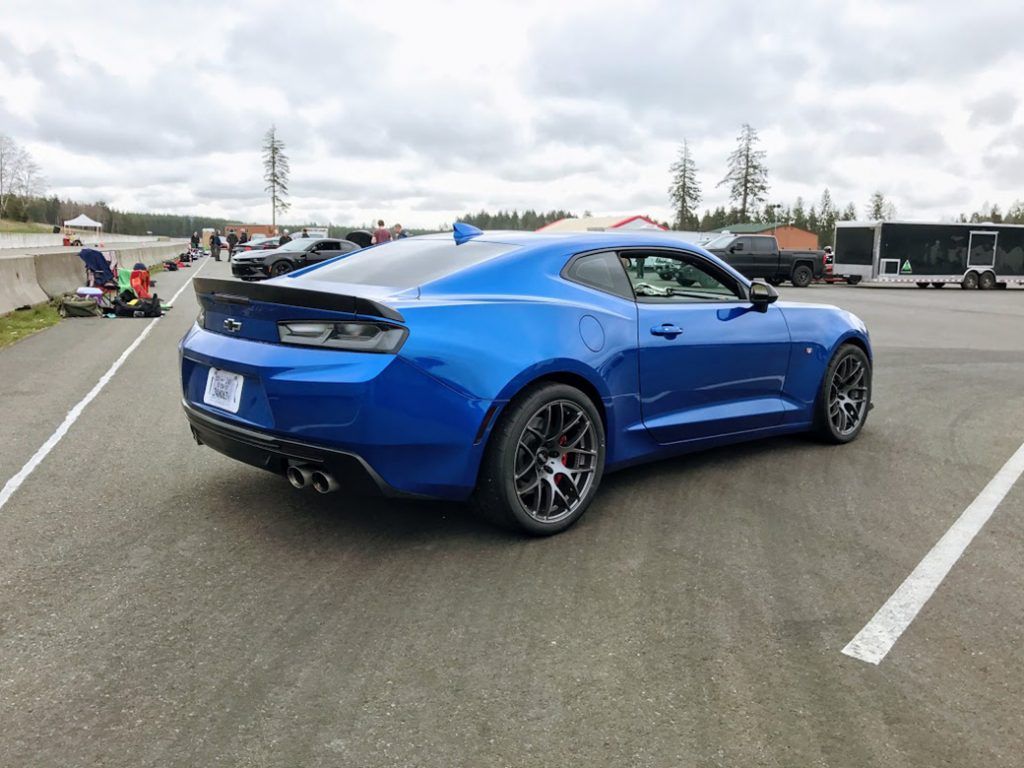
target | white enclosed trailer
[{"x": 981, "y": 255}]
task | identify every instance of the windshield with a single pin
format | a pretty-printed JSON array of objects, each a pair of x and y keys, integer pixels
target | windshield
[
  {"x": 719, "y": 242},
  {"x": 299, "y": 244},
  {"x": 408, "y": 263}
]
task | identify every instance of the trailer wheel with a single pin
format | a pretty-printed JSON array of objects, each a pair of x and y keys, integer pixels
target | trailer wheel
[
  {"x": 801, "y": 276},
  {"x": 987, "y": 281},
  {"x": 853, "y": 280},
  {"x": 970, "y": 281},
  {"x": 923, "y": 285},
  {"x": 938, "y": 285}
]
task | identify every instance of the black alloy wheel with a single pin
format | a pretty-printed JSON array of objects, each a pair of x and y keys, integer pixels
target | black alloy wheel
[
  {"x": 544, "y": 461},
  {"x": 801, "y": 276},
  {"x": 280, "y": 268},
  {"x": 845, "y": 395}
]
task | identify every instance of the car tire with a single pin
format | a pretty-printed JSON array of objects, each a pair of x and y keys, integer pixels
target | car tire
[
  {"x": 987, "y": 281},
  {"x": 970, "y": 281},
  {"x": 938, "y": 285},
  {"x": 853, "y": 280},
  {"x": 519, "y": 487},
  {"x": 801, "y": 276},
  {"x": 279, "y": 268},
  {"x": 838, "y": 417},
  {"x": 773, "y": 281},
  {"x": 923, "y": 285}
]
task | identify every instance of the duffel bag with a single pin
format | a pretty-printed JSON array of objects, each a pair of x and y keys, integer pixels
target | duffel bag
[{"x": 70, "y": 305}]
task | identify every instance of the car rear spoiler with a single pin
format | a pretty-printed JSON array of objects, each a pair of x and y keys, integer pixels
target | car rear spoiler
[{"x": 238, "y": 292}]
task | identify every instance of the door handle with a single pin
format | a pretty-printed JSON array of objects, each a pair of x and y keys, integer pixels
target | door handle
[{"x": 668, "y": 330}]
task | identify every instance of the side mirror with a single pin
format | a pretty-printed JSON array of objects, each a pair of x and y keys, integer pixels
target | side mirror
[{"x": 761, "y": 295}]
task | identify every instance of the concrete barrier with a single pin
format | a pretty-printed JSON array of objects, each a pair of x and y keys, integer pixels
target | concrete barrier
[
  {"x": 47, "y": 239},
  {"x": 37, "y": 277},
  {"x": 18, "y": 284},
  {"x": 58, "y": 273}
]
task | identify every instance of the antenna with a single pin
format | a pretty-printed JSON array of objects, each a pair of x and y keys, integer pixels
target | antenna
[{"x": 465, "y": 232}]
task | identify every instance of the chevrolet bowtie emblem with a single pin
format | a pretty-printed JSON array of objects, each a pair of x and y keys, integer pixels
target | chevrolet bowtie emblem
[{"x": 232, "y": 326}]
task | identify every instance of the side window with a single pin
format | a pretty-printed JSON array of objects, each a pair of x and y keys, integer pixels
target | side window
[
  {"x": 762, "y": 245},
  {"x": 740, "y": 245},
  {"x": 677, "y": 278},
  {"x": 602, "y": 271}
]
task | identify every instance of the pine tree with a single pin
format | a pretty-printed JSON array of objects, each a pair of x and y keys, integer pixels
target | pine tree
[
  {"x": 826, "y": 218},
  {"x": 275, "y": 173},
  {"x": 685, "y": 189},
  {"x": 747, "y": 176},
  {"x": 799, "y": 214},
  {"x": 880, "y": 209},
  {"x": 849, "y": 212}
]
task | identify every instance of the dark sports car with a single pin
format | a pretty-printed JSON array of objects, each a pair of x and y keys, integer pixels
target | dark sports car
[{"x": 260, "y": 264}]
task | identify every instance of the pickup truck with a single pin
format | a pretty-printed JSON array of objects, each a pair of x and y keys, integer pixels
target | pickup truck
[{"x": 759, "y": 256}]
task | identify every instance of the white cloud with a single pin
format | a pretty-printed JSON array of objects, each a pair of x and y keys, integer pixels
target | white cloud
[{"x": 420, "y": 111}]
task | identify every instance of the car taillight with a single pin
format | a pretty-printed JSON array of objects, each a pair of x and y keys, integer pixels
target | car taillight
[{"x": 351, "y": 335}]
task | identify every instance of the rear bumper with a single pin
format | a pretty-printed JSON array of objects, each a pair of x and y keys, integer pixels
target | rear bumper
[
  {"x": 417, "y": 434},
  {"x": 274, "y": 454}
]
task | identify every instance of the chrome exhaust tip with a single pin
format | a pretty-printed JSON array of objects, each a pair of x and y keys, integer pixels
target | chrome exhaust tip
[
  {"x": 324, "y": 483},
  {"x": 299, "y": 475}
]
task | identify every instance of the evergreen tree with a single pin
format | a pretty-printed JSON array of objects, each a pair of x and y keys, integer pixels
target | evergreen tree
[
  {"x": 880, "y": 209},
  {"x": 827, "y": 215},
  {"x": 685, "y": 189},
  {"x": 747, "y": 176},
  {"x": 849, "y": 212},
  {"x": 799, "y": 214},
  {"x": 275, "y": 173}
]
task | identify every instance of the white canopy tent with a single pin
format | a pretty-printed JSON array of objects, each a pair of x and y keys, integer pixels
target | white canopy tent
[{"x": 81, "y": 221}]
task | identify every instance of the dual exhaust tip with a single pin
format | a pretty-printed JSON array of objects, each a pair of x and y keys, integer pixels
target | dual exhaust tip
[{"x": 302, "y": 476}]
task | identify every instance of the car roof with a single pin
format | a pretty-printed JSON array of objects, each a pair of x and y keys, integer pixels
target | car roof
[{"x": 619, "y": 239}]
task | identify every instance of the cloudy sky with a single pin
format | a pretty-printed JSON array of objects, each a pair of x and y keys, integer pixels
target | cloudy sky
[{"x": 417, "y": 111}]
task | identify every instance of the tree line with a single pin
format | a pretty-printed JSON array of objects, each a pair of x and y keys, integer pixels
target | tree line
[{"x": 528, "y": 220}]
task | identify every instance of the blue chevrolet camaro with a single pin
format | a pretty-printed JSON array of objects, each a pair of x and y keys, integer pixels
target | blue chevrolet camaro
[{"x": 511, "y": 369}]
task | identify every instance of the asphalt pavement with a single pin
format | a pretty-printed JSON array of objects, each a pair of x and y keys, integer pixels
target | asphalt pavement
[{"x": 162, "y": 605}]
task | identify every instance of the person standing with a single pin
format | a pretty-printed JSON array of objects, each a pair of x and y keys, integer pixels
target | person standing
[
  {"x": 243, "y": 238},
  {"x": 304, "y": 232},
  {"x": 232, "y": 242},
  {"x": 397, "y": 233},
  {"x": 215, "y": 245},
  {"x": 285, "y": 238},
  {"x": 194, "y": 241},
  {"x": 381, "y": 234}
]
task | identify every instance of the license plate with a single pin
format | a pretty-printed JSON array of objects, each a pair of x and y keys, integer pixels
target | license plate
[{"x": 223, "y": 390}]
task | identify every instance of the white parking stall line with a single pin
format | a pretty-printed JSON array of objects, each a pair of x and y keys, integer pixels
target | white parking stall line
[
  {"x": 876, "y": 639},
  {"x": 15, "y": 482}
]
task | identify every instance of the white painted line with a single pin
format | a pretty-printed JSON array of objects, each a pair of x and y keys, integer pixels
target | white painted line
[
  {"x": 877, "y": 638},
  {"x": 15, "y": 482}
]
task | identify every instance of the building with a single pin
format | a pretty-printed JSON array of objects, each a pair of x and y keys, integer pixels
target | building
[
  {"x": 252, "y": 229},
  {"x": 602, "y": 224},
  {"x": 787, "y": 235}
]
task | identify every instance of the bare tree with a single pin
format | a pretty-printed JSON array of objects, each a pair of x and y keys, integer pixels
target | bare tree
[
  {"x": 275, "y": 173},
  {"x": 12, "y": 158}
]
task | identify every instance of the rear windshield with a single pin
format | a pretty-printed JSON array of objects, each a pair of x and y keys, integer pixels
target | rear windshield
[{"x": 408, "y": 263}]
